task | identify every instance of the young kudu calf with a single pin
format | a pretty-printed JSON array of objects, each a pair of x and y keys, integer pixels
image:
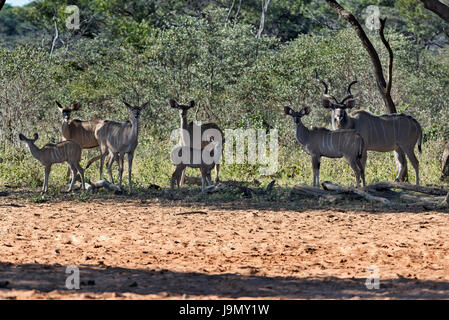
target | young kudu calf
[
  {"x": 82, "y": 132},
  {"x": 384, "y": 133},
  {"x": 118, "y": 139},
  {"x": 184, "y": 156},
  {"x": 320, "y": 142},
  {"x": 187, "y": 138},
  {"x": 65, "y": 151}
]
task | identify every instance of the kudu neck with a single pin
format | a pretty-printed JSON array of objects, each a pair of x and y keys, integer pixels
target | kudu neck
[
  {"x": 134, "y": 126},
  {"x": 302, "y": 133},
  {"x": 35, "y": 151},
  {"x": 65, "y": 123},
  {"x": 184, "y": 134},
  {"x": 183, "y": 121}
]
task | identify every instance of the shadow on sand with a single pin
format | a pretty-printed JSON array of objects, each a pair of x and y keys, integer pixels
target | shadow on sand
[{"x": 104, "y": 279}]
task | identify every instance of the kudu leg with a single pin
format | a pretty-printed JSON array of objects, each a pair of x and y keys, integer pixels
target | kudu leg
[
  {"x": 109, "y": 166},
  {"x": 92, "y": 161},
  {"x": 316, "y": 171},
  {"x": 74, "y": 172},
  {"x": 415, "y": 162},
  {"x": 208, "y": 177},
  {"x": 356, "y": 167},
  {"x": 81, "y": 171},
  {"x": 182, "y": 178},
  {"x": 203, "y": 179},
  {"x": 130, "y": 166},
  {"x": 176, "y": 177},
  {"x": 401, "y": 165},
  {"x": 364, "y": 159},
  {"x": 46, "y": 175},
  {"x": 217, "y": 170},
  {"x": 120, "y": 168},
  {"x": 361, "y": 163},
  {"x": 362, "y": 172},
  {"x": 101, "y": 165}
]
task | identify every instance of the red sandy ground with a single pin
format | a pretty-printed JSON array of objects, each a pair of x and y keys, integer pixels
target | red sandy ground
[{"x": 137, "y": 249}]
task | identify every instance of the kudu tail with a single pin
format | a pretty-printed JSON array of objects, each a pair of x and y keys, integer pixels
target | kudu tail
[
  {"x": 419, "y": 137},
  {"x": 420, "y": 142}
]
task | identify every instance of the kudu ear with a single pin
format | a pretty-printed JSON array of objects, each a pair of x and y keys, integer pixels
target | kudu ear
[
  {"x": 192, "y": 104},
  {"x": 59, "y": 105},
  {"x": 350, "y": 103},
  {"x": 144, "y": 105},
  {"x": 21, "y": 137},
  {"x": 35, "y": 137},
  {"x": 288, "y": 111},
  {"x": 305, "y": 111},
  {"x": 326, "y": 102},
  {"x": 127, "y": 104},
  {"x": 76, "y": 106},
  {"x": 173, "y": 103}
]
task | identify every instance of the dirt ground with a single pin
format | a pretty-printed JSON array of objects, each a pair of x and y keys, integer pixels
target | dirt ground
[{"x": 150, "y": 249}]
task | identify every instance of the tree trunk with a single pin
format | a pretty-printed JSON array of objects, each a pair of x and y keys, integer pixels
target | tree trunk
[
  {"x": 2, "y": 3},
  {"x": 408, "y": 187},
  {"x": 333, "y": 187},
  {"x": 438, "y": 8},
  {"x": 265, "y": 4}
]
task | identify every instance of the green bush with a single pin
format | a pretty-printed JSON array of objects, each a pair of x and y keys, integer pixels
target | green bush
[{"x": 238, "y": 81}]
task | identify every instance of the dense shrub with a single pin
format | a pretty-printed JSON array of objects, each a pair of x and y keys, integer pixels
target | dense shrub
[{"x": 237, "y": 81}]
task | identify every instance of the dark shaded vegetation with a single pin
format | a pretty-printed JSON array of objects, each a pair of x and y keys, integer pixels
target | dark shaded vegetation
[{"x": 207, "y": 50}]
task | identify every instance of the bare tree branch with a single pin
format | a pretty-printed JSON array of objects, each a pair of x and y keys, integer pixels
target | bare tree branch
[
  {"x": 238, "y": 11},
  {"x": 265, "y": 4},
  {"x": 438, "y": 8},
  {"x": 56, "y": 36},
  {"x": 229, "y": 12},
  {"x": 384, "y": 88},
  {"x": 390, "y": 56}
]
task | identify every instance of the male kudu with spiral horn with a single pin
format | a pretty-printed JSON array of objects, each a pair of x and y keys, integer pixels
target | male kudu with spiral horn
[{"x": 383, "y": 133}]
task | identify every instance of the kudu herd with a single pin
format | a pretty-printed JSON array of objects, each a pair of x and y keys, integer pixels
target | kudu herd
[{"x": 352, "y": 136}]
